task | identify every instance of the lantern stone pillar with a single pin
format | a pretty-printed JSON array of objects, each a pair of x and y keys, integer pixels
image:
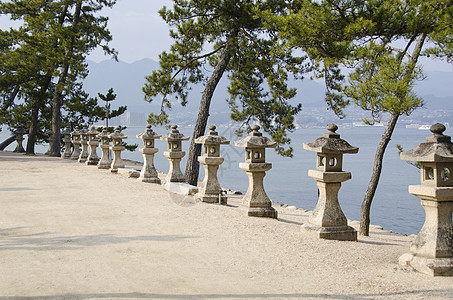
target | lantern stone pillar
[
  {"x": 104, "y": 162},
  {"x": 66, "y": 133},
  {"x": 210, "y": 191},
  {"x": 84, "y": 141},
  {"x": 327, "y": 220},
  {"x": 19, "y": 133},
  {"x": 76, "y": 142},
  {"x": 93, "y": 142},
  {"x": 255, "y": 202},
  {"x": 49, "y": 134},
  {"x": 149, "y": 173},
  {"x": 117, "y": 146},
  {"x": 174, "y": 154},
  {"x": 432, "y": 251}
]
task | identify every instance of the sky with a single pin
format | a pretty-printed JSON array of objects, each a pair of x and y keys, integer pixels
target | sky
[{"x": 139, "y": 32}]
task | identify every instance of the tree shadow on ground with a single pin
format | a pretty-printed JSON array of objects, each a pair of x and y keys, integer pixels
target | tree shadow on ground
[
  {"x": 46, "y": 241},
  {"x": 433, "y": 293}
]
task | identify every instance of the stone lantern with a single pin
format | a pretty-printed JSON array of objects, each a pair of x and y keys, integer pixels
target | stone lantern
[
  {"x": 327, "y": 220},
  {"x": 210, "y": 191},
  {"x": 149, "y": 172},
  {"x": 104, "y": 162},
  {"x": 67, "y": 143},
  {"x": 174, "y": 154},
  {"x": 49, "y": 134},
  {"x": 432, "y": 251},
  {"x": 255, "y": 202},
  {"x": 76, "y": 142},
  {"x": 19, "y": 139},
  {"x": 84, "y": 141},
  {"x": 117, "y": 146},
  {"x": 93, "y": 142}
]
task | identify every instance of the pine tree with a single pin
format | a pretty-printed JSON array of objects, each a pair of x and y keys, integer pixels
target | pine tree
[{"x": 240, "y": 46}]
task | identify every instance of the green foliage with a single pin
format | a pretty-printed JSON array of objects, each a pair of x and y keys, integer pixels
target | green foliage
[
  {"x": 106, "y": 113},
  {"x": 257, "y": 70},
  {"x": 46, "y": 55}
]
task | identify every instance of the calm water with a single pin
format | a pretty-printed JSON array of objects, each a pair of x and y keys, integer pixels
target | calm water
[{"x": 287, "y": 182}]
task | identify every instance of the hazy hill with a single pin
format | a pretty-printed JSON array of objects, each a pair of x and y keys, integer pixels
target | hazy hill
[{"x": 128, "y": 80}]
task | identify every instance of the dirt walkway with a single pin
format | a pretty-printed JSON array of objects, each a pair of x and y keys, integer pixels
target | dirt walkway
[{"x": 69, "y": 231}]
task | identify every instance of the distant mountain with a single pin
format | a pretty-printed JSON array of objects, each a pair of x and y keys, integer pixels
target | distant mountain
[{"x": 128, "y": 79}]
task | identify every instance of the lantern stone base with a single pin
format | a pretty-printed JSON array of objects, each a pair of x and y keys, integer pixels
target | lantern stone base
[
  {"x": 104, "y": 165},
  {"x": 150, "y": 180},
  {"x": 92, "y": 162},
  {"x": 214, "y": 199},
  {"x": 341, "y": 233},
  {"x": 261, "y": 212},
  {"x": 430, "y": 266}
]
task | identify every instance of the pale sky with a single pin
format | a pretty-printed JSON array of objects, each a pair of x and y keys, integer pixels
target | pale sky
[{"x": 138, "y": 30}]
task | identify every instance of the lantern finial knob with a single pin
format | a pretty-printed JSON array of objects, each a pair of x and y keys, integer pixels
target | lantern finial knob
[
  {"x": 332, "y": 127},
  {"x": 438, "y": 128},
  {"x": 255, "y": 131}
]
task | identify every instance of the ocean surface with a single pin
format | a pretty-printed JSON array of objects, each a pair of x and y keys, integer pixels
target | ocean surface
[{"x": 287, "y": 182}]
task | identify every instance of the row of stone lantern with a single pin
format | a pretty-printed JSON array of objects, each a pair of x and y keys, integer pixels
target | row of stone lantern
[{"x": 432, "y": 250}]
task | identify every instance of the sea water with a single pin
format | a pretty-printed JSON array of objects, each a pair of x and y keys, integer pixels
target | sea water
[{"x": 287, "y": 182}]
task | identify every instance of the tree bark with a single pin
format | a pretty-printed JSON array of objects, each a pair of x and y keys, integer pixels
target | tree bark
[
  {"x": 58, "y": 95},
  {"x": 377, "y": 168},
  {"x": 193, "y": 166},
  {"x": 33, "y": 130},
  {"x": 7, "y": 142},
  {"x": 11, "y": 98}
]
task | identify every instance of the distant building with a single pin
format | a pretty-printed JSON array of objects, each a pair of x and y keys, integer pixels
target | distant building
[{"x": 138, "y": 119}]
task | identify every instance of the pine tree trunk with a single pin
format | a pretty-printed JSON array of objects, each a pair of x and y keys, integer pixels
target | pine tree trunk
[
  {"x": 193, "y": 166},
  {"x": 377, "y": 168},
  {"x": 58, "y": 95},
  {"x": 375, "y": 176},
  {"x": 11, "y": 98},
  {"x": 7, "y": 142},
  {"x": 33, "y": 131}
]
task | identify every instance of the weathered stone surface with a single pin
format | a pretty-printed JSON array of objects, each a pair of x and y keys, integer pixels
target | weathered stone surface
[
  {"x": 255, "y": 202},
  {"x": 67, "y": 143},
  {"x": 432, "y": 249},
  {"x": 84, "y": 141},
  {"x": 76, "y": 142},
  {"x": 19, "y": 133},
  {"x": 117, "y": 146},
  {"x": 174, "y": 154},
  {"x": 149, "y": 173},
  {"x": 327, "y": 220},
  {"x": 93, "y": 158},
  {"x": 211, "y": 191},
  {"x": 131, "y": 173},
  {"x": 104, "y": 162}
]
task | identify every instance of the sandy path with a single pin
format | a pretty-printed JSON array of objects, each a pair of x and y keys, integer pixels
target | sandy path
[{"x": 69, "y": 231}]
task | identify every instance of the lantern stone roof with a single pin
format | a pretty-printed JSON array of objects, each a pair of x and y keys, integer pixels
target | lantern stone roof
[
  {"x": 117, "y": 134},
  {"x": 76, "y": 131},
  {"x": 438, "y": 148},
  {"x": 174, "y": 135},
  {"x": 66, "y": 131},
  {"x": 148, "y": 134},
  {"x": 84, "y": 130},
  {"x": 21, "y": 130},
  {"x": 255, "y": 140},
  {"x": 330, "y": 142},
  {"x": 104, "y": 133},
  {"x": 93, "y": 131},
  {"x": 212, "y": 137}
]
